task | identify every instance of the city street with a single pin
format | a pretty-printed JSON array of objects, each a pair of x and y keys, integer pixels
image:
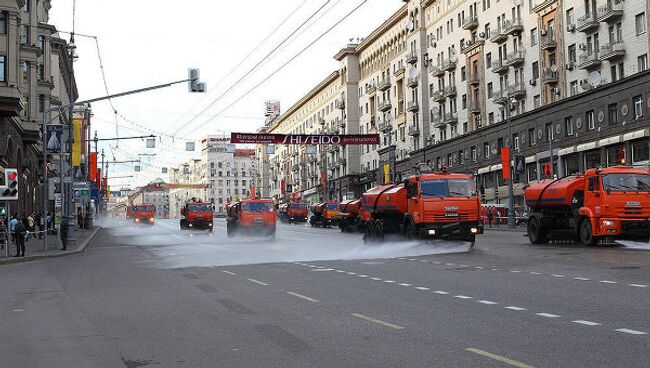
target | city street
[{"x": 158, "y": 296}]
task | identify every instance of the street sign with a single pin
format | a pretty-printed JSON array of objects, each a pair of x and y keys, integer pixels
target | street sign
[
  {"x": 343, "y": 139},
  {"x": 57, "y": 200}
]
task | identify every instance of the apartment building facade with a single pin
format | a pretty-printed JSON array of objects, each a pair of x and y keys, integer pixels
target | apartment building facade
[
  {"x": 439, "y": 75},
  {"x": 35, "y": 73}
]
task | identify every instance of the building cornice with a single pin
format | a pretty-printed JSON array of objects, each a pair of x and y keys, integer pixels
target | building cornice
[{"x": 381, "y": 30}]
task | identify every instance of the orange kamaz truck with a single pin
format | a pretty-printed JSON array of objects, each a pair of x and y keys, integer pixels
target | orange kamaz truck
[
  {"x": 324, "y": 214},
  {"x": 352, "y": 216},
  {"x": 428, "y": 205},
  {"x": 197, "y": 215},
  {"x": 601, "y": 204},
  {"x": 293, "y": 212},
  {"x": 144, "y": 213},
  {"x": 251, "y": 216}
]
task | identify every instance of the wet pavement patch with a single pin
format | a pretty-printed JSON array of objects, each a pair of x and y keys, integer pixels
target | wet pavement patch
[
  {"x": 282, "y": 338},
  {"x": 206, "y": 288},
  {"x": 234, "y": 306},
  {"x": 128, "y": 363}
]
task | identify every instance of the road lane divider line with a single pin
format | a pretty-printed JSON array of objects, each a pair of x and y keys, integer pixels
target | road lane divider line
[
  {"x": 302, "y": 297},
  {"x": 499, "y": 358},
  {"x": 608, "y": 282},
  {"x": 375, "y": 278},
  {"x": 586, "y": 323},
  {"x": 405, "y": 284},
  {"x": 548, "y": 315},
  {"x": 581, "y": 279},
  {"x": 462, "y": 297},
  {"x": 631, "y": 332},
  {"x": 421, "y": 288},
  {"x": 488, "y": 302},
  {"x": 378, "y": 321},
  {"x": 229, "y": 272},
  {"x": 441, "y": 292},
  {"x": 512, "y": 307},
  {"x": 258, "y": 282},
  {"x": 556, "y": 275},
  {"x": 638, "y": 285},
  {"x": 389, "y": 281}
]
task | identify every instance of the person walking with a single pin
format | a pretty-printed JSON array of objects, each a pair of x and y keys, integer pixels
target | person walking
[
  {"x": 3, "y": 232},
  {"x": 64, "y": 235},
  {"x": 489, "y": 215},
  {"x": 21, "y": 234},
  {"x": 41, "y": 226},
  {"x": 12, "y": 227}
]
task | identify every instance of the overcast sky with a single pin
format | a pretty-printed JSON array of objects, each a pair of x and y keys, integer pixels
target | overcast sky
[{"x": 149, "y": 42}]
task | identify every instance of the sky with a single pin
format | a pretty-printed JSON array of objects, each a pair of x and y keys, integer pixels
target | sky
[{"x": 150, "y": 42}]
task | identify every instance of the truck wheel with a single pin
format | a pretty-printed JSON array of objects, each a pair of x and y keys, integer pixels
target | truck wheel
[
  {"x": 379, "y": 231},
  {"x": 586, "y": 233},
  {"x": 368, "y": 235},
  {"x": 182, "y": 224},
  {"x": 536, "y": 234},
  {"x": 410, "y": 232}
]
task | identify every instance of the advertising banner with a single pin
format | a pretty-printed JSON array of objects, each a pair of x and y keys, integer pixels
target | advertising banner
[
  {"x": 76, "y": 143},
  {"x": 342, "y": 139},
  {"x": 505, "y": 162},
  {"x": 93, "y": 166},
  {"x": 54, "y": 134}
]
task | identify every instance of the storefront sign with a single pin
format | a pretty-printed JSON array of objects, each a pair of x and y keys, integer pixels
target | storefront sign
[{"x": 348, "y": 139}]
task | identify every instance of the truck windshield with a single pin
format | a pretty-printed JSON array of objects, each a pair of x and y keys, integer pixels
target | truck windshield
[
  {"x": 332, "y": 206},
  {"x": 257, "y": 207},
  {"x": 298, "y": 206},
  {"x": 626, "y": 182},
  {"x": 446, "y": 188},
  {"x": 199, "y": 207},
  {"x": 144, "y": 209}
]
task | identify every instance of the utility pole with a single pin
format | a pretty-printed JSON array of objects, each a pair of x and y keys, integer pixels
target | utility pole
[{"x": 511, "y": 193}]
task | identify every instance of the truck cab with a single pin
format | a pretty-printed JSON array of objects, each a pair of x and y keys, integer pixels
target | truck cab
[
  {"x": 253, "y": 216},
  {"x": 144, "y": 213},
  {"x": 197, "y": 215}
]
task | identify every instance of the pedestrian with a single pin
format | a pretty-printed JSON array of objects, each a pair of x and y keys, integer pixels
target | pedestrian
[
  {"x": 64, "y": 235},
  {"x": 12, "y": 227},
  {"x": 31, "y": 223},
  {"x": 21, "y": 234},
  {"x": 496, "y": 215},
  {"x": 41, "y": 225},
  {"x": 49, "y": 223},
  {"x": 3, "y": 232},
  {"x": 489, "y": 215}
]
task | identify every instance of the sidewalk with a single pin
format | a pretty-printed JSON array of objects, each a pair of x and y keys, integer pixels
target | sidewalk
[{"x": 34, "y": 247}]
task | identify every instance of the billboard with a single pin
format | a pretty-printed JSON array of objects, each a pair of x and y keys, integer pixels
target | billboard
[
  {"x": 54, "y": 135},
  {"x": 343, "y": 139},
  {"x": 76, "y": 142}
]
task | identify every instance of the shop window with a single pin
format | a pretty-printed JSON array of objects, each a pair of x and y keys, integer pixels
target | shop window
[
  {"x": 616, "y": 156},
  {"x": 571, "y": 165},
  {"x": 592, "y": 159},
  {"x": 640, "y": 153}
]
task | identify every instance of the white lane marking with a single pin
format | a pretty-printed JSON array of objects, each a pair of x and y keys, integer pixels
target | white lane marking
[
  {"x": 608, "y": 282},
  {"x": 403, "y": 259},
  {"x": 581, "y": 279},
  {"x": 340, "y": 271},
  {"x": 389, "y": 281},
  {"x": 352, "y": 273},
  {"x": 405, "y": 284},
  {"x": 436, "y": 262},
  {"x": 362, "y": 276},
  {"x": 464, "y": 265},
  {"x": 312, "y": 266},
  {"x": 638, "y": 285},
  {"x": 449, "y": 264},
  {"x": 488, "y": 302},
  {"x": 631, "y": 332},
  {"x": 586, "y": 323},
  {"x": 495, "y": 269},
  {"x": 548, "y": 315},
  {"x": 556, "y": 275},
  {"x": 18, "y": 310},
  {"x": 423, "y": 260},
  {"x": 479, "y": 268},
  {"x": 375, "y": 278},
  {"x": 421, "y": 288},
  {"x": 515, "y": 271},
  {"x": 322, "y": 269},
  {"x": 534, "y": 273},
  {"x": 462, "y": 297},
  {"x": 441, "y": 292},
  {"x": 412, "y": 259},
  {"x": 516, "y": 308}
]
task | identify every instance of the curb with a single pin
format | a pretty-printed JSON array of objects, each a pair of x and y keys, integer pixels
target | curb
[{"x": 81, "y": 248}]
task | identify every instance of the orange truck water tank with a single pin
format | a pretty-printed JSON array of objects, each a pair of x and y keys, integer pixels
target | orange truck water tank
[
  {"x": 317, "y": 208},
  {"x": 386, "y": 199},
  {"x": 550, "y": 193},
  {"x": 350, "y": 206}
]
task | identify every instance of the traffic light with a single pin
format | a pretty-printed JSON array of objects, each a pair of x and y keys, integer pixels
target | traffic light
[
  {"x": 193, "y": 79},
  {"x": 9, "y": 191}
]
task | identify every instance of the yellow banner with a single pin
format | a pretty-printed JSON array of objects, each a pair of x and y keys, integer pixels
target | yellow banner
[
  {"x": 108, "y": 194},
  {"x": 76, "y": 144},
  {"x": 386, "y": 173}
]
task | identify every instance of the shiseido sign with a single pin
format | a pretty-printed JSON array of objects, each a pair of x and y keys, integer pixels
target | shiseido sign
[{"x": 344, "y": 139}]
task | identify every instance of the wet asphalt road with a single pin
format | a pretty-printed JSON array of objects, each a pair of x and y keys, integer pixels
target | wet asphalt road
[{"x": 159, "y": 297}]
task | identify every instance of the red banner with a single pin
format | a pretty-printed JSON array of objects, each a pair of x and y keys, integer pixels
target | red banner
[
  {"x": 505, "y": 162},
  {"x": 282, "y": 186},
  {"x": 99, "y": 179},
  {"x": 344, "y": 139},
  {"x": 93, "y": 166}
]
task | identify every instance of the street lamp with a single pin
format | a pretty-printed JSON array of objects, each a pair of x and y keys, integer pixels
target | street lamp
[{"x": 507, "y": 105}]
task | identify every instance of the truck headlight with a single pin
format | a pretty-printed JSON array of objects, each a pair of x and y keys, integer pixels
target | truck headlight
[
  {"x": 608, "y": 223},
  {"x": 137, "y": 220},
  {"x": 474, "y": 230},
  {"x": 432, "y": 232},
  {"x": 189, "y": 225},
  {"x": 210, "y": 225}
]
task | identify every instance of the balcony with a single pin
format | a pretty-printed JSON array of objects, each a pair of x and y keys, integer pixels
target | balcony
[
  {"x": 450, "y": 118},
  {"x": 450, "y": 91},
  {"x": 549, "y": 76},
  {"x": 399, "y": 72},
  {"x": 474, "y": 107},
  {"x": 513, "y": 26},
  {"x": 539, "y": 5},
  {"x": 515, "y": 58},
  {"x": 384, "y": 84},
  {"x": 548, "y": 42},
  {"x": 499, "y": 98},
  {"x": 473, "y": 79},
  {"x": 385, "y": 106},
  {"x": 471, "y": 45},
  {"x": 439, "y": 96},
  {"x": 448, "y": 65},
  {"x": 31, "y": 132},
  {"x": 412, "y": 82},
  {"x": 499, "y": 67},
  {"x": 589, "y": 61},
  {"x": 413, "y": 106},
  {"x": 371, "y": 90},
  {"x": 586, "y": 23},
  {"x": 498, "y": 36},
  {"x": 610, "y": 12},
  {"x": 470, "y": 23},
  {"x": 437, "y": 121},
  {"x": 437, "y": 70},
  {"x": 340, "y": 104},
  {"x": 517, "y": 91},
  {"x": 385, "y": 126},
  {"x": 412, "y": 57},
  {"x": 612, "y": 51},
  {"x": 414, "y": 130}
]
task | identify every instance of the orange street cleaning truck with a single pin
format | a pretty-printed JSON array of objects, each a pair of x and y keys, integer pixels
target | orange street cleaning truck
[
  {"x": 252, "y": 216},
  {"x": 197, "y": 215},
  {"x": 602, "y": 204},
  {"x": 144, "y": 213},
  {"x": 352, "y": 216},
  {"x": 428, "y": 205},
  {"x": 324, "y": 214},
  {"x": 293, "y": 212}
]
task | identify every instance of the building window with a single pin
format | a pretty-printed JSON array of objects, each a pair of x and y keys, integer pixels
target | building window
[
  {"x": 589, "y": 119},
  {"x": 572, "y": 53},
  {"x": 25, "y": 66},
  {"x": 532, "y": 137},
  {"x": 533, "y": 37},
  {"x": 568, "y": 126},
  {"x": 41, "y": 42},
  {"x": 486, "y": 149},
  {"x": 24, "y": 34},
  {"x": 612, "y": 113},
  {"x": 549, "y": 132},
  {"x": 3, "y": 68},
  {"x": 24, "y": 114},
  {"x": 638, "y": 106},
  {"x": 573, "y": 88},
  {"x": 26, "y": 6},
  {"x": 642, "y": 62},
  {"x": 474, "y": 156},
  {"x": 461, "y": 157},
  {"x": 488, "y": 61},
  {"x": 640, "y": 153},
  {"x": 41, "y": 72},
  {"x": 535, "y": 70},
  {"x": 490, "y": 90},
  {"x": 41, "y": 103},
  {"x": 491, "y": 118},
  {"x": 515, "y": 141},
  {"x": 462, "y": 74},
  {"x": 3, "y": 22},
  {"x": 537, "y": 101},
  {"x": 640, "y": 23},
  {"x": 464, "y": 101}
]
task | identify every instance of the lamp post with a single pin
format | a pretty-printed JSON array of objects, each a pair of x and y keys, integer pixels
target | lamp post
[{"x": 511, "y": 194}]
